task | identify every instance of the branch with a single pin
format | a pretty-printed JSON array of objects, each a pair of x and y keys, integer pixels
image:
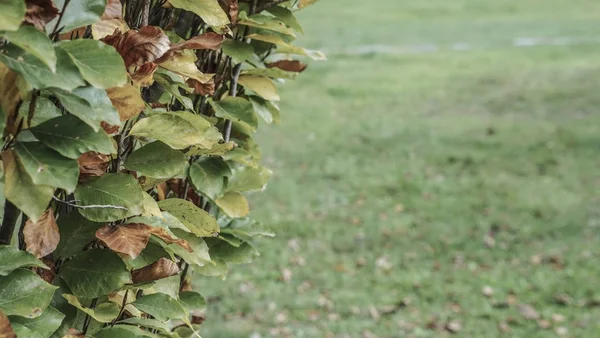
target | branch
[
  {"x": 91, "y": 206},
  {"x": 11, "y": 213},
  {"x": 269, "y": 5},
  {"x": 62, "y": 13},
  {"x": 145, "y": 12}
]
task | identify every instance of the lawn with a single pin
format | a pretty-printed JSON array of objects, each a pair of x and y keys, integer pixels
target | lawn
[{"x": 416, "y": 194}]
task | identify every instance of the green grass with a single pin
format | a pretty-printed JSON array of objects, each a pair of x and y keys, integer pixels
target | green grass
[{"x": 391, "y": 169}]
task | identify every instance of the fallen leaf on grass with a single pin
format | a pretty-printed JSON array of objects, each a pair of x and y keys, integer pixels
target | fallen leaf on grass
[
  {"x": 544, "y": 324},
  {"x": 561, "y": 331},
  {"x": 528, "y": 311},
  {"x": 558, "y": 318},
  {"x": 487, "y": 291},
  {"x": 453, "y": 326}
]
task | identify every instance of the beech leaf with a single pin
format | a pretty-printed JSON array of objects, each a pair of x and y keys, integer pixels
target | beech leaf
[
  {"x": 128, "y": 239},
  {"x": 139, "y": 47},
  {"x": 160, "y": 269},
  {"x": 234, "y": 204},
  {"x": 127, "y": 100},
  {"x": 41, "y": 237}
]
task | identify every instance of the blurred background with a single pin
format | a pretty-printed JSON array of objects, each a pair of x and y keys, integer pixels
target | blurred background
[{"x": 437, "y": 176}]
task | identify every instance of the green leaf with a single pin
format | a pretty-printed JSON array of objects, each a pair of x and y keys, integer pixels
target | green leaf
[
  {"x": 200, "y": 222},
  {"x": 157, "y": 160},
  {"x": 120, "y": 331},
  {"x": 24, "y": 293},
  {"x": 220, "y": 249},
  {"x": 45, "y": 324},
  {"x": 46, "y": 166},
  {"x": 151, "y": 253},
  {"x": 246, "y": 228},
  {"x": 236, "y": 109},
  {"x": 192, "y": 300},
  {"x": 147, "y": 323},
  {"x": 287, "y": 17},
  {"x": 23, "y": 331},
  {"x": 261, "y": 109},
  {"x": 76, "y": 233},
  {"x": 265, "y": 22},
  {"x": 167, "y": 221},
  {"x": 99, "y": 64},
  {"x": 178, "y": 130},
  {"x": 11, "y": 14},
  {"x": 209, "y": 10},
  {"x": 217, "y": 269},
  {"x": 119, "y": 191},
  {"x": 248, "y": 179},
  {"x": 34, "y": 42},
  {"x": 263, "y": 86},
  {"x": 233, "y": 204},
  {"x": 218, "y": 149},
  {"x": 208, "y": 176},
  {"x": 168, "y": 286},
  {"x": 91, "y": 105},
  {"x": 77, "y": 14},
  {"x": 104, "y": 313},
  {"x": 72, "y": 137},
  {"x": 238, "y": 50},
  {"x": 19, "y": 189},
  {"x": 94, "y": 273},
  {"x": 44, "y": 111},
  {"x": 284, "y": 47},
  {"x": 199, "y": 256},
  {"x": 161, "y": 307},
  {"x": 11, "y": 258},
  {"x": 270, "y": 72},
  {"x": 37, "y": 74},
  {"x": 149, "y": 206}
]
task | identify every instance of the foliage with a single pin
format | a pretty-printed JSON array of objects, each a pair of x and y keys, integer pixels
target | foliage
[{"x": 127, "y": 153}]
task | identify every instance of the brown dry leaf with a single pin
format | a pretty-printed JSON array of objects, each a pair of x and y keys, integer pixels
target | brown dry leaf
[
  {"x": 160, "y": 269},
  {"x": 39, "y": 13},
  {"x": 558, "y": 318},
  {"x": 41, "y": 237},
  {"x": 46, "y": 274},
  {"x": 130, "y": 239},
  {"x": 504, "y": 327},
  {"x": 289, "y": 65},
  {"x": 6, "y": 331},
  {"x": 127, "y": 100},
  {"x": 139, "y": 47},
  {"x": 109, "y": 128},
  {"x": 203, "y": 89},
  {"x": 232, "y": 8},
  {"x": 212, "y": 41},
  {"x": 113, "y": 10},
  {"x": 9, "y": 96},
  {"x": 144, "y": 75},
  {"x": 544, "y": 324},
  {"x": 165, "y": 236},
  {"x": 92, "y": 164},
  {"x": 528, "y": 311},
  {"x": 73, "y": 333}
]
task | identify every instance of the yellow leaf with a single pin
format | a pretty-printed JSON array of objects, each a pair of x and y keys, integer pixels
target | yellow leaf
[
  {"x": 234, "y": 204},
  {"x": 127, "y": 101},
  {"x": 184, "y": 64},
  {"x": 263, "y": 86},
  {"x": 105, "y": 28}
]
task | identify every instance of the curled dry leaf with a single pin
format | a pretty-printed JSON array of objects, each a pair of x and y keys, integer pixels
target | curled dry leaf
[
  {"x": 139, "y": 47},
  {"x": 41, "y": 237},
  {"x": 144, "y": 75},
  {"x": 289, "y": 65},
  {"x": 9, "y": 96},
  {"x": 160, "y": 269},
  {"x": 109, "y": 128},
  {"x": 92, "y": 164},
  {"x": 200, "y": 88},
  {"x": 6, "y": 330},
  {"x": 164, "y": 235},
  {"x": 232, "y": 8},
  {"x": 127, "y": 100},
  {"x": 111, "y": 21},
  {"x": 209, "y": 40},
  {"x": 39, "y": 13},
  {"x": 130, "y": 239},
  {"x": 113, "y": 10}
]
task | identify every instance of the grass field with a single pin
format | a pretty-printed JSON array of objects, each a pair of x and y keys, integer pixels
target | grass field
[{"x": 417, "y": 191}]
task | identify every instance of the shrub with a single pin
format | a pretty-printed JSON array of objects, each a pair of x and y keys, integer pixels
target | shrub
[{"x": 127, "y": 153}]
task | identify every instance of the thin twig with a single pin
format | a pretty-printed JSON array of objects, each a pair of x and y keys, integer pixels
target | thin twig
[
  {"x": 87, "y": 320},
  {"x": 62, "y": 13},
  {"x": 91, "y": 206},
  {"x": 122, "y": 308}
]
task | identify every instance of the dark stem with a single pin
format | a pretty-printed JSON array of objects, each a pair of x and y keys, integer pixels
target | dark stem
[
  {"x": 269, "y": 5},
  {"x": 32, "y": 104},
  {"x": 122, "y": 308},
  {"x": 87, "y": 320},
  {"x": 11, "y": 213},
  {"x": 22, "y": 245},
  {"x": 183, "y": 275},
  {"x": 145, "y": 12},
  {"x": 62, "y": 13}
]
